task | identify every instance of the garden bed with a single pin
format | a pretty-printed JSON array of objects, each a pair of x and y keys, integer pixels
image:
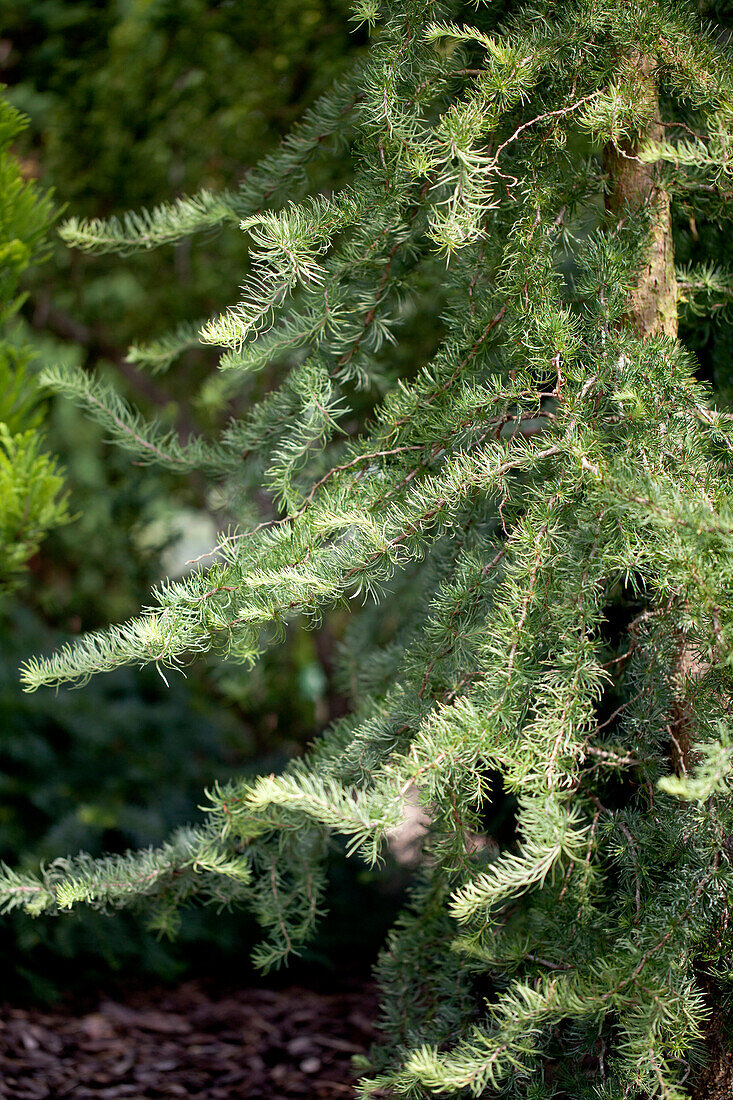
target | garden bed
[{"x": 189, "y": 1042}]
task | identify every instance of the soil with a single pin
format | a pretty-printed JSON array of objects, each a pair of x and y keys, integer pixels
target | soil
[{"x": 189, "y": 1042}]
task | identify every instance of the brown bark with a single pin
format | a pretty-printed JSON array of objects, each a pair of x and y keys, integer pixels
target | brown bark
[{"x": 633, "y": 184}]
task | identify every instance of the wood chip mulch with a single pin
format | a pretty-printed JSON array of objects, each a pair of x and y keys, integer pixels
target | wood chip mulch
[{"x": 254, "y": 1043}]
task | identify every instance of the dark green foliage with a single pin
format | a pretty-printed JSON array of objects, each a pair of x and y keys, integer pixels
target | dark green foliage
[
  {"x": 129, "y": 104},
  {"x": 133, "y": 103},
  {"x": 122, "y": 765},
  {"x": 537, "y": 516},
  {"x": 117, "y": 766},
  {"x": 171, "y": 94},
  {"x": 62, "y": 60}
]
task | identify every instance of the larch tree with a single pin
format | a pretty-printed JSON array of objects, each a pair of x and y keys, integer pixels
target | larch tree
[{"x": 542, "y": 508}]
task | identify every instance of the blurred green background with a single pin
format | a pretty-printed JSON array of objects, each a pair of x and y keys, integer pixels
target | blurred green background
[{"x": 130, "y": 103}]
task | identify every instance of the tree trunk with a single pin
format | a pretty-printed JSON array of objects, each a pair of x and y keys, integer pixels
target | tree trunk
[
  {"x": 631, "y": 185},
  {"x": 714, "y": 1080}
]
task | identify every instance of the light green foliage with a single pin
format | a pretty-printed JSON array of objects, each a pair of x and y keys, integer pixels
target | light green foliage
[
  {"x": 31, "y": 500},
  {"x": 30, "y": 487},
  {"x": 26, "y": 216},
  {"x": 542, "y": 509},
  {"x": 711, "y": 776},
  {"x": 552, "y": 833}
]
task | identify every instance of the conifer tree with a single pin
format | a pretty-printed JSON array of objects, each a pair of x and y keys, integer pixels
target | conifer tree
[{"x": 547, "y": 503}]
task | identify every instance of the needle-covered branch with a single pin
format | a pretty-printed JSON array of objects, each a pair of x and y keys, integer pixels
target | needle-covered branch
[{"x": 534, "y": 510}]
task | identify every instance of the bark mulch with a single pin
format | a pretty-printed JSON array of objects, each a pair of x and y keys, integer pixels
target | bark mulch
[{"x": 254, "y": 1043}]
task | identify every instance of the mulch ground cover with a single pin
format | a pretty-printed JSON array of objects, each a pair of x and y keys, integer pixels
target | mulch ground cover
[{"x": 188, "y": 1042}]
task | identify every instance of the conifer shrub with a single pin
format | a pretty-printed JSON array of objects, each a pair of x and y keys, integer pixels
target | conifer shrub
[
  {"x": 541, "y": 509},
  {"x": 31, "y": 486}
]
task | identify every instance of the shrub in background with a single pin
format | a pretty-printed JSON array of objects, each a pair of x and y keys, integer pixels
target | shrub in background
[
  {"x": 99, "y": 770},
  {"x": 126, "y": 103},
  {"x": 31, "y": 497},
  {"x": 71, "y": 68}
]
